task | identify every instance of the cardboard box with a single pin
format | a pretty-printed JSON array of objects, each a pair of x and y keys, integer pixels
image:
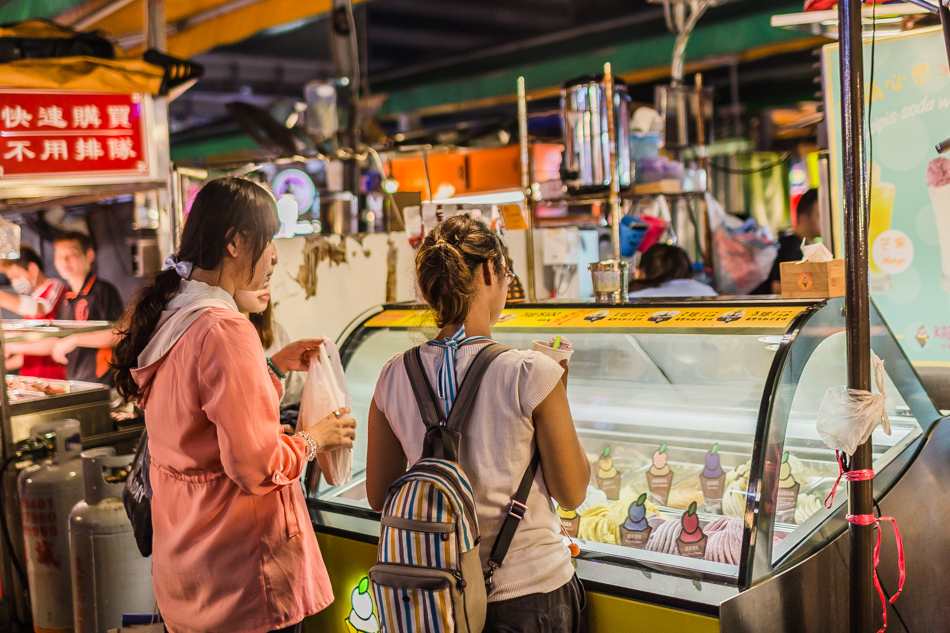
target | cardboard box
[{"x": 810, "y": 280}]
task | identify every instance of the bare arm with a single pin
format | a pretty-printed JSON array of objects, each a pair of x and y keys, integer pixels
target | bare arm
[
  {"x": 106, "y": 339},
  {"x": 385, "y": 459},
  {"x": 42, "y": 347},
  {"x": 566, "y": 471},
  {"x": 62, "y": 346}
]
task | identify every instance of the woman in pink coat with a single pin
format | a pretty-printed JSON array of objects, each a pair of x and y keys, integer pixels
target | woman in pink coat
[{"x": 233, "y": 547}]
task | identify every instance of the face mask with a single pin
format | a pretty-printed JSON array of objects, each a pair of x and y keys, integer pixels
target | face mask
[{"x": 22, "y": 286}]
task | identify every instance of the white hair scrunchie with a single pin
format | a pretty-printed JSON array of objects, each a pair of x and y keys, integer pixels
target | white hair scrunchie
[{"x": 182, "y": 268}]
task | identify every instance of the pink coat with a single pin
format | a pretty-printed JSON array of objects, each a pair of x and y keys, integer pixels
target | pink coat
[{"x": 233, "y": 547}]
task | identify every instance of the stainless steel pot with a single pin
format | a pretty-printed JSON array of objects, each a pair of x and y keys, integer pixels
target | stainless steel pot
[{"x": 585, "y": 167}]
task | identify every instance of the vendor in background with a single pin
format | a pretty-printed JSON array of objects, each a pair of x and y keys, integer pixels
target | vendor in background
[
  {"x": 86, "y": 356},
  {"x": 37, "y": 297},
  {"x": 257, "y": 307},
  {"x": 807, "y": 229},
  {"x": 665, "y": 271}
]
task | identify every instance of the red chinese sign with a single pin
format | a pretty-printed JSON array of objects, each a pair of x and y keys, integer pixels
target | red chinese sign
[{"x": 71, "y": 134}]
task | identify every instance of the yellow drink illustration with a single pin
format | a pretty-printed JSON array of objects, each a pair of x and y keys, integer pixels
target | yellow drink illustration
[{"x": 882, "y": 208}]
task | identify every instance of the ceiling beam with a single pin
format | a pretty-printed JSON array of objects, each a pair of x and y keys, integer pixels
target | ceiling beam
[
  {"x": 513, "y": 15},
  {"x": 424, "y": 39},
  {"x": 748, "y": 37}
]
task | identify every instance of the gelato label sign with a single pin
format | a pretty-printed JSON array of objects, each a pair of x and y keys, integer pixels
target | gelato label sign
[{"x": 759, "y": 318}]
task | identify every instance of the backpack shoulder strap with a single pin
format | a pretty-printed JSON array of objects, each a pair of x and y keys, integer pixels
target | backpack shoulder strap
[
  {"x": 516, "y": 512},
  {"x": 425, "y": 397},
  {"x": 470, "y": 384}
]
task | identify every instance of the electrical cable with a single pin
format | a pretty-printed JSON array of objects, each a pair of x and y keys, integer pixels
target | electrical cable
[
  {"x": 748, "y": 172},
  {"x": 870, "y": 144},
  {"x": 4, "y": 527}
]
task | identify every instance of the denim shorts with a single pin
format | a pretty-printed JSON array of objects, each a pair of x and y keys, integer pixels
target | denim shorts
[{"x": 563, "y": 610}]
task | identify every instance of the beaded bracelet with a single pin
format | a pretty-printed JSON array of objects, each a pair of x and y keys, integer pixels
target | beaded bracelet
[
  {"x": 273, "y": 368},
  {"x": 313, "y": 444}
]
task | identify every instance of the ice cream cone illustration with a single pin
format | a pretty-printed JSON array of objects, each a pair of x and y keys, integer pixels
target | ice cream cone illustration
[
  {"x": 570, "y": 520},
  {"x": 921, "y": 336},
  {"x": 660, "y": 478},
  {"x": 938, "y": 185},
  {"x": 713, "y": 480},
  {"x": 788, "y": 488},
  {"x": 608, "y": 477},
  {"x": 362, "y": 619},
  {"x": 691, "y": 541},
  {"x": 882, "y": 208},
  {"x": 635, "y": 531}
]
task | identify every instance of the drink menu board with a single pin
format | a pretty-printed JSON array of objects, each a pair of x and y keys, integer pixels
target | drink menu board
[{"x": 907, "y": 108}]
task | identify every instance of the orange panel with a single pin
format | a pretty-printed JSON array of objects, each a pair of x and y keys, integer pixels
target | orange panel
[
  {"x": 443, "y": 169},
  {"x": 493, "y": 169}
]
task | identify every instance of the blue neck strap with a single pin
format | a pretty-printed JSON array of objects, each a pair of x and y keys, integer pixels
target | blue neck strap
[{"x": 448, "y": 381}]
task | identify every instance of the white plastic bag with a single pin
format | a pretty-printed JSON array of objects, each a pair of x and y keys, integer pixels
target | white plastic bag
[
  {"x": 325, "y": 392},
  {"x": 847, "y": 417}
]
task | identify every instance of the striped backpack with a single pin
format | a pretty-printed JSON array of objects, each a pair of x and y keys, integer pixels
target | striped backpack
[{"x": 428, "y": 576}]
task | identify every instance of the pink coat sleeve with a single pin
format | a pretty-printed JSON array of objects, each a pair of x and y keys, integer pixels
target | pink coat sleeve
[{"x": 239, "y": 398}]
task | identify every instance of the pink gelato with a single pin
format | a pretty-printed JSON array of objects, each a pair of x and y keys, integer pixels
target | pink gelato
[
  {"x": 725, "y": 540},
  {"x": 565, "y": 344},
  {"x": 938, "y": 172}
]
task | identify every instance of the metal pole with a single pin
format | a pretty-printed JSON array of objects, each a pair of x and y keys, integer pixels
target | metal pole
[
  {"x": 857, "y": 301},
  {"x": 616, "y": 210},
  {"x": 706, "y": 230},
  {"x": 526, "y": 184},
  {"x": 155, "y": 26}
]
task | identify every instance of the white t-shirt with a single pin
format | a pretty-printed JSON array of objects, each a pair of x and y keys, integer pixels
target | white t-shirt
[
  {"x": 497, "y": 445},
  {"x": 677, "y": 288}
]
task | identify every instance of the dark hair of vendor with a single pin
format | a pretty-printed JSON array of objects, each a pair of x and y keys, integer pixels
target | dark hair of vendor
[
  {"x": 660, "y": 264},
  {"x": 224, "y": 208},
  {"x": 448, "y": 260}
]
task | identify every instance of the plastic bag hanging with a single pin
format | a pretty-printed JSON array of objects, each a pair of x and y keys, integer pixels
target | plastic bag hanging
[
  {"x": 324, "y": 392},
  {"x": 847, "y": 417}
]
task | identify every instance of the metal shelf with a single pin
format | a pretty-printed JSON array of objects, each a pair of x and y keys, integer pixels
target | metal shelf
[{"x": 27, "y": 331}]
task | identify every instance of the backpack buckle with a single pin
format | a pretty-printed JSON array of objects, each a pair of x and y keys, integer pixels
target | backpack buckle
[
  {"x": 517, "y": 510},
  {"x": 490, "y": 574}
]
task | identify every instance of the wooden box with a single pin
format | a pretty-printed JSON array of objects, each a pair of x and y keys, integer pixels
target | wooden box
[{"x": 810, "y": 280}]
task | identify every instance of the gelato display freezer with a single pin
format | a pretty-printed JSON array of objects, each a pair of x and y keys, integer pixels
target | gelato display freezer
[{"x": 710, "y": 504}]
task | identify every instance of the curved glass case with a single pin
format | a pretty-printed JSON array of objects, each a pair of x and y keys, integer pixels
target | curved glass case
[{"x": 698, "y": 418}]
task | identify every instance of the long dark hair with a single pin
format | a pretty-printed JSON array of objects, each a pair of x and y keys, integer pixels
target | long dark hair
[
  {"x": 448, "y": 261},
  {"x": 223, "y": 209},
  {"x": 660, "y": 264},
  {"x": 263, "y": 322}
]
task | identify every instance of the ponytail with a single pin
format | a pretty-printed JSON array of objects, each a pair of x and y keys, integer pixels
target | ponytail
[{"x": 137, "y": 327}]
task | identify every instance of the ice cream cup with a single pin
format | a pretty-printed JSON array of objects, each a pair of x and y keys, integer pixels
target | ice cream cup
[
  {"x": 571, "y": 526},
  {"x": 557, "y": 354},
  {"x": 636, "y": 539},
  {"x": 696, "y": 549},
  {"x": 610, "y": 487}
]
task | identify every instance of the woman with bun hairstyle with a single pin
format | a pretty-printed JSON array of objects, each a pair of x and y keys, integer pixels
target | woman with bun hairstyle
[
  {"x": 233, "y": 547},
  {"x": 463, "y": 273}
]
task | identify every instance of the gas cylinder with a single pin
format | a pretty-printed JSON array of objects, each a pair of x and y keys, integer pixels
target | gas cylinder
[
  {"x": 48, "y": 491},
  {"x": 110, "y": 576}
]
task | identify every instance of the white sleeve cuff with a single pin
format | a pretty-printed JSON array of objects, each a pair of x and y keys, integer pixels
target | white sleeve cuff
[{"x": 28, "y": 305}]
